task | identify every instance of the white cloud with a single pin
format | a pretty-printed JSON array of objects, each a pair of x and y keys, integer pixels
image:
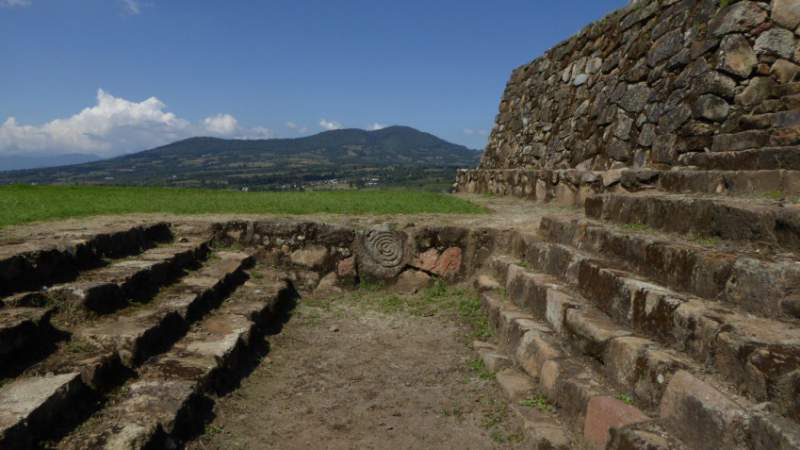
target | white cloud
[
  {"x": 221, "y": 124},
  {"x": 330, "y": 124},
  {"x": 296, "y": 128},
  {"x": 257, "y": 133},
  {"x": 115, "y": 126},
  {"x": 14, "y": 3},
  {"x": 376, "y": 126},
  {"x": 132, "y": 7}
]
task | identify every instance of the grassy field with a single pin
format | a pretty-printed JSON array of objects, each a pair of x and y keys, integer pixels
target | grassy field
[{"x": 22, "y": 204}]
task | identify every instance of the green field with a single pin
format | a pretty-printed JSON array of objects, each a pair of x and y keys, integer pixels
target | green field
[{"x": 23, "y": 204}]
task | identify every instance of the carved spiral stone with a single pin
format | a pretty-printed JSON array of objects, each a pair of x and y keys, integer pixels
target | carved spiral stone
[
  {"x": 381, "y": 254},
  {"x": 385, "y": 248}
]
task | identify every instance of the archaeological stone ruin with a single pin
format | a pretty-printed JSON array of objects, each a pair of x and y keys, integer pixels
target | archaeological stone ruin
[{"x": 647, "y": 283}]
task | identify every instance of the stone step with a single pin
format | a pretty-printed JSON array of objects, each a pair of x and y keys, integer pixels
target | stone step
[
  {"x": 574, "y": 186},
  {"x": 170, "y": 399},
  {"x": 636, "y": 363},
  {"x": 782, "y": 132},
  {"x": 760, "y": 357},
  {"x": 778, "y": 119},
  {"x": 104, "y": 351},
  {"x": 136, "y": 279},
  {"x": 785, "y": 90},
  {"x": 586, "y": 400},
  {"x": 540, "y": 421},
  {"x": 23, "y": 331},
  {"x": 102, "y": 291},
  {"x": 747, "y": 280},
  {"x": 766, "y": 158},
  {"x": 32, "y": 405},
  {"x": 636, "y": 367},
  {"x": 25, "y": 268},
  {"x": 764, "y": 222},
  {"x": 107, "y": 289},
  {"x": 721, "y": 182},
  {"x": 785, "y": 103}
]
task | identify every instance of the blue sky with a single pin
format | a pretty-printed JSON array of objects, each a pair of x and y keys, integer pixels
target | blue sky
[{"x": 114, "y": 76}]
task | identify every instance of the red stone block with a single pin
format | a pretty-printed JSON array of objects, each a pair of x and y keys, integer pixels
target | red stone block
[{"x": 604, "y": 413}]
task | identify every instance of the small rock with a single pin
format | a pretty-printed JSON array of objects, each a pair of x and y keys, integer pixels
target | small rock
[
  {"x": 737, "y": 56},
  {"x": 412, "y": 281},
  {"x": 427, "y": 259},
  {"x": 346, "y": 268},
  {"x": 711, "y": 107},
  {"x": 311, "y": 257},
  {"x": 737, "y": 18},
  {"x": 665, "y": 47},
  {"x": 516, "y": 384},
  {"x": 495, "y": 362},
  {"x": 449, "y": 263},
  {"x": 333, "y": 329},
  {"x": 327, "y": 286},
  {"x": 756, "y": 92},
  {"x": 486, "y": 283},
  {"x": 784, "y": 71},
  {"x": 786, "y": 13},
  {"x": 611, "y": 177},
  {"x": 604, "y": 414},
  {"x": 791, "y": 306},
  {"x": 635, "y": 98},
  {"x": 776, "y": 41}
]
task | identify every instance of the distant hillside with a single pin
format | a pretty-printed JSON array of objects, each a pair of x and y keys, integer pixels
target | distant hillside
[
  {"x": 333, "y": 159},
  {"x": 19, "y": 162}
]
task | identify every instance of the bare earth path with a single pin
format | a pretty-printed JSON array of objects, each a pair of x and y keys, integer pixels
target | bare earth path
[{"x": 345, "y": 375}]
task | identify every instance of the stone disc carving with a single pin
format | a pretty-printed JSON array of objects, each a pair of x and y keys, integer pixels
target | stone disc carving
[
  {"x": 381, "y": 254},
  {"x": 384, "y": 247}
]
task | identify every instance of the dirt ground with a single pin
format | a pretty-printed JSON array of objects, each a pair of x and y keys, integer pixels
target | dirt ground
[{"x": 366, "y": 371}]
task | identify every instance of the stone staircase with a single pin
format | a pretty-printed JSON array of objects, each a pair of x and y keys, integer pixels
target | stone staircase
[
  {"x": 121, "y": 340},
  {"x": 764, "y": 139},
  {"x": 661, "y": 319}
]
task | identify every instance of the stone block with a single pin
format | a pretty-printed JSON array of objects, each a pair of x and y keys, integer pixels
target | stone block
[
  {"x": 704, "y": 417},
  {"x": 604, "y": 414}
]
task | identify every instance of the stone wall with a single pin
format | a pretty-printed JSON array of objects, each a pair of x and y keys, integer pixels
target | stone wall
[
  {"x": 659, "y": 83},
  {"x": 324, "y": 257}
]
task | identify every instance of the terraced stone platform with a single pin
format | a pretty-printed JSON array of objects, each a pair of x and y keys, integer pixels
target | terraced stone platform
[{"x": 663, "y": 317}]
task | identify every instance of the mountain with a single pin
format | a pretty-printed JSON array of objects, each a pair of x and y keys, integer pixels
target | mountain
[
  {"x": 393, "y": 156},
  {"x": 19, "y": 162}
]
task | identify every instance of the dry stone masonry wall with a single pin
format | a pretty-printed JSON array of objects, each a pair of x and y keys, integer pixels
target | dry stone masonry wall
[{"x": 658, "y": 84}]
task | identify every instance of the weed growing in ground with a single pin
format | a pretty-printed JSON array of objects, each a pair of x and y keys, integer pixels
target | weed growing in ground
[
  {"x": 710, "y": 241},
  {"x": 369, "y": 285},
  {"x": 455, "y": 411},
  {"x": 471, "y": 313},
  {"x": 503, "y": 437},
  {"x": 636, "y": 227},
  {"x": 479, "y": 368},
  {"x": 257, "y": 275},
  {"x": 625, "y": 398},
  {"x": 773, "y": 195},
  {"x": 76, "y": 345},
  {"x": 539, "y": 402},
  {"x": 213, "y": 429},
  {"x": 726, "y": 3},
  {"x": 494, "y": 414}
]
